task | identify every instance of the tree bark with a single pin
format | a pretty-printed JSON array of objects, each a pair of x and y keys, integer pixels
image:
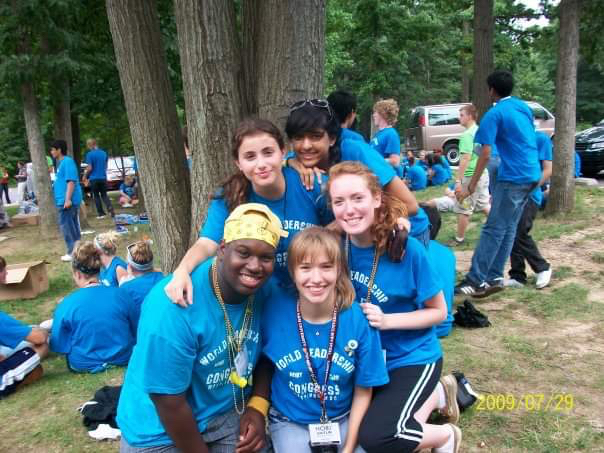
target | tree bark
[
  {"x": 484, "y": 25},
  {"x": 62, "y": 114},
  {"x": 156, "y": 136},
  {"x": 465, "y": 64},
  {"x": 212, "y": 83},
  {"x": 75, "y": 138},
  {"x": 48, "y": 213},
  {"x": 288, "y": 52},
  {"x": 562, "y": 192}
]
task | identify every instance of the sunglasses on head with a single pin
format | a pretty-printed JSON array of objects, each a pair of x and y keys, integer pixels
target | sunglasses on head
[{"x": 318, "y": 103}]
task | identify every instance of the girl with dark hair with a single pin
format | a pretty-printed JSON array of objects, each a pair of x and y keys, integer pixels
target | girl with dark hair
[
  {"x": 92, "y": 335},
  {"x": 258, "y": 150},
  {"x": 404, "y": 303}
]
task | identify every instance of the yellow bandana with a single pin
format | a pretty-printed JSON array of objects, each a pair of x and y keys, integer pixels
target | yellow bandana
[{"x": 254, "y": 221}]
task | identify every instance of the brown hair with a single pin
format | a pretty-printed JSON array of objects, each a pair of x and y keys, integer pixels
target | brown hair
[
  {"x": 2, "y": 264},
  {"x": 86, "y": 258},
  {"x": 236, "y": 188},
  {"x": 310, "y": 243},
  {"x": 386, "y": 214},
  {"x": 388, "y": 109},
  {"x": 470, "y": 109},
  {"x": 141, "y": 252},
  {"x": 107, "y": 242}
]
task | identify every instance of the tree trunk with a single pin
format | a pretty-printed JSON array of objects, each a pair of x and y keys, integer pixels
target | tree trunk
[
  {"x": 212, "y": 82},
  {"x": 75, "y": 138},
  {"x": 48, "y": 213},
  {"x": 483, "y": 53},
  {"x": 156, "y": 136},
  {"x": 465, "y": 64},
  {"x": 62, "y": 114},
  {"x": 562, "y": 192},
  {"x": 289, "y": 53}
]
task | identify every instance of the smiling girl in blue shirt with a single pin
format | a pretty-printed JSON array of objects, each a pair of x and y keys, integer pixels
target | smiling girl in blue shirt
[
  {"x": 106, "y": 244},
  {"x": 258, "y": 151},
  {"x": 322, "y": 301},
  {"x": 405, "y": 304}
]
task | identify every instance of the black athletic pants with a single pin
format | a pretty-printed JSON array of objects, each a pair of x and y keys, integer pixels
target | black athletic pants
[
  {"x": 525, "y": 247},
  {"x": 4, "y": 190},
  {"x": 389, "y": 424},
  {"x": 98, "y": 187}
]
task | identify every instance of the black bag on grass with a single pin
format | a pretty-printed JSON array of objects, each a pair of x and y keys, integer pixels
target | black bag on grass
[{"x": 468, "y": 316}]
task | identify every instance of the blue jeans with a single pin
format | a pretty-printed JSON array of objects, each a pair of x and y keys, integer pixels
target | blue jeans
[
  {"x": 498, "y": 233},
  {"x": 69, "y": 223},
  {"x": 493, "y": 168}
]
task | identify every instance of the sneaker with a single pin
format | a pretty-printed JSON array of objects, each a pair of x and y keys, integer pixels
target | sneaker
[
  {"x": 66, "y": 258},
  {"x": 120, "y": 229},
  {"x": 126, "y": 205},
  {"x": 512, "y": 283},
  {"x": 456, "y": 242},
  {"x": 543, "y": 278},
  {"x": 99, "y": 217},
  {"x": 451, "y": 410},
  {"x": 469, "y": 289},
  {"x": 490, "y": 288}
]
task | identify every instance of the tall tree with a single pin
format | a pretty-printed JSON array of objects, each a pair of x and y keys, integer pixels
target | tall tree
[
  {"x": 483, "y": 53},
  {"x": 562, "y": 192},
  {"x": 153, "y": 122},
  {"x": 212, "y": 79}
]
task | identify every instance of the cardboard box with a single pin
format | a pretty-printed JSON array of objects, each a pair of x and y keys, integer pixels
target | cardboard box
[
  {"x": 24, "y": 281},
  {"x": 25, "y": 219}
]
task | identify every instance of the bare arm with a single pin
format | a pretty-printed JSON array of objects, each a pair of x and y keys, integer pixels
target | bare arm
[
  {"x": 394, "y": 159},
  {"x": 398, "y": 189},
  {"x": 434, "y": 312},
  {"x": 546, "y": 171},
  {"x": 463, "y": 164},
  {"x": 176, "y": 416},
  {"x": 180, "y": 288},
  {"x": 37, "y": 336},
  {"x": 481, "y": 164},
  {"x": 360, "y": 403}
]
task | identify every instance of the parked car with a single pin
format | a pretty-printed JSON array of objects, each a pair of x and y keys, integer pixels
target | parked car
[
  {"x": 590, "y": 147},
  {"x": 437, "y": 127},
  {"x": 117, "y": 169}
]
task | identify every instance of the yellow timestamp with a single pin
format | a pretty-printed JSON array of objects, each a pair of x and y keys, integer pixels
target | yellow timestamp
[{"x": 532, "y": 402}]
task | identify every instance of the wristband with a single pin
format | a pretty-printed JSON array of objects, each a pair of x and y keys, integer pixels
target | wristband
[
  {"x": 457, "y": 181},
  {"x": 260, "y": 404}
]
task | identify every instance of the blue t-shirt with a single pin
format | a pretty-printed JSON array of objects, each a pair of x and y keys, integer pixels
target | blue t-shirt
[
  {"x": 440, "y": 175},
  {"x": 418, "y": 179},
  {"x": 66, "y": 172},
  {"x": 128, "y": 190},
  {"x": 98, "y": 159},
  {"x": 12, "y": 332},
  {"x": 577, "y": 165},
  {"x": 349, "y": 134},
  {"x": 509, "y": 125},
  {"x": 357, "y": 361},
  {"x": 355, "y": 150},
  {"x": 133, "y": 292},
  {"x": 400, "y": 288},
  {"x": 183, "y": 350},
  {"x": 387, "y": 142},
  {"x": 91, "y": 327},
  {"x": 297, "y": 210},
  {"x": 445, "y": 163},
  {"x": 442, "y": 260},
  {"x": 108, "y": 275},
  {"x": 544, "y": 145},
  {"x": 419, "y": 223}
]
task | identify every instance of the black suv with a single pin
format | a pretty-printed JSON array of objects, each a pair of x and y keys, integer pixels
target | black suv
[{"x": 590, "y": 146}]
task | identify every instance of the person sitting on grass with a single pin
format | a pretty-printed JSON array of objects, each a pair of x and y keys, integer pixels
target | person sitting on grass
[
  {"x": 90, "y": 327},
  {"x": 137, "y": 280},
  {"x": 128, "y": 193},
  {"x": 106, "y": 244},
  {"x": 416, "y": 176},
  {"x": 437, "y": 173},
  {"x": 441, "y": 159}
]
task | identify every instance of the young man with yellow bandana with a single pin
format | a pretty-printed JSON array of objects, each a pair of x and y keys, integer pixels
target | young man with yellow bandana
[{"x": 189, "y": 378}]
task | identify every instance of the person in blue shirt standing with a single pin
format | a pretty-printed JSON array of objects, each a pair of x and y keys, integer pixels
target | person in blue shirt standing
[
  {"x": 96, "y": 173},
  {"x": 525, "y": 248},
  {"x": 509, "y": 125},
  {"x": 106, "y": 244},
  {"x": 386, "y": 141},
  {"x": 67, "y": 194},
  {"x": 188, "y": 382},
  {"x": 314, "y": 336},
  {"x": 90, "y": 327},
  {"x": 140, "y": 278},
  {"x": 344, "y": 105},
  {"x": 258, "y": 150},
  {"x": 402, "y": 297}
]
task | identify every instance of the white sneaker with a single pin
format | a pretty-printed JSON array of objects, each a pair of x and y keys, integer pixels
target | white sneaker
[
  {"x": 512, "y": 283},
  {"x": 543, "y": 278},
  {"x": 126, "y": 205},
  {"x": 66, "y": 258},
  {"x": 99, "y": 217}
]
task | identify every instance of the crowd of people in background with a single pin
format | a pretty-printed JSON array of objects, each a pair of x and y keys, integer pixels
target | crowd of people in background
[{"x": 327, "y": 336}]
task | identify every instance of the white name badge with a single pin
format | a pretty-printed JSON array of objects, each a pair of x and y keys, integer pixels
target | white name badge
[
  {"x": 241, "y": 362},
  {"x": 324, "y": 434}
]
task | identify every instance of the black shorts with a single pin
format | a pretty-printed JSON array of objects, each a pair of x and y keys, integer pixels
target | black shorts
[{"x": 15, "y": 368}]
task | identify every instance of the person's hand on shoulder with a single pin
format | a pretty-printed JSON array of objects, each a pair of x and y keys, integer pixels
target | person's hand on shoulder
[{"x": 180, "y": 288}]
